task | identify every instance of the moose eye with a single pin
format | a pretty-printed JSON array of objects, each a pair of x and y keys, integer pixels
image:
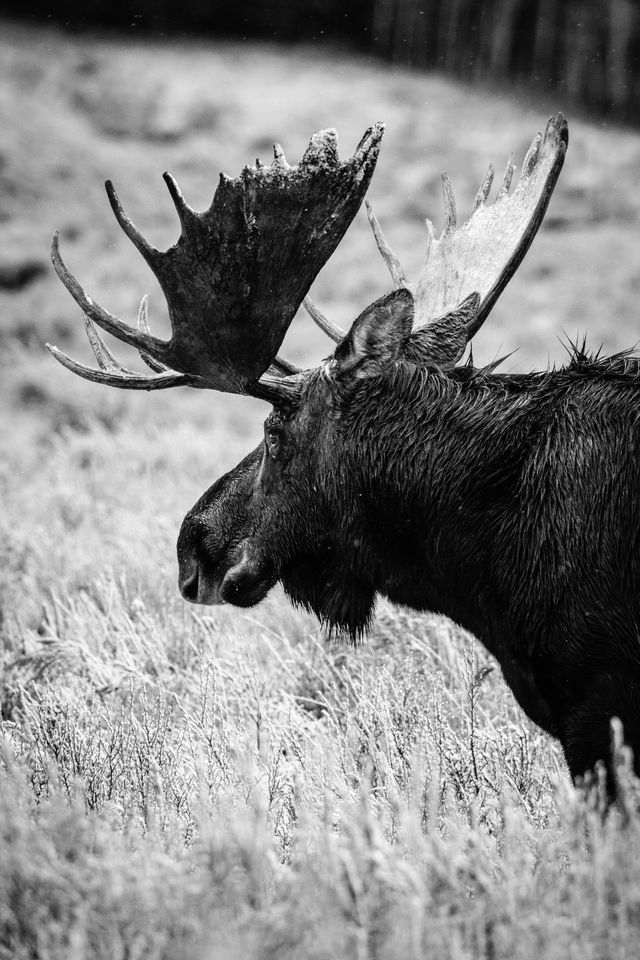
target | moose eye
[{"x": 272, "y": 439}]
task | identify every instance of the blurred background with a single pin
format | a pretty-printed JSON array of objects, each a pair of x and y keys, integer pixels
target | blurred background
[
  {"x": 126, "y": 91},
  {"x": 586, "y": 49}
]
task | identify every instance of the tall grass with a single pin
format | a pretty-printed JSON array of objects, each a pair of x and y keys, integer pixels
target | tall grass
[
  {"x": 182, "y": 787},
  {"x": 181, "y": 783}
]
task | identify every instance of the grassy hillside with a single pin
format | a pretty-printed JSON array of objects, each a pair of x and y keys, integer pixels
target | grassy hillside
[{"x": 190, "y": 783}]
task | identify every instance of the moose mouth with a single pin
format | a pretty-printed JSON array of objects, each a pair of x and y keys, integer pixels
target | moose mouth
[{"x": 237, "y": 585}]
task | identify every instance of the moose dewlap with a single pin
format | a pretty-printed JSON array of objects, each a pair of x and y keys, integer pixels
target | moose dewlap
[{"x": 510, "y": 503}]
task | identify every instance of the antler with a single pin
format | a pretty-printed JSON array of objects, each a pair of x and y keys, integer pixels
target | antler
[
  {"x": 237, "y": 274},
  {"x": 482, "y": 255}
]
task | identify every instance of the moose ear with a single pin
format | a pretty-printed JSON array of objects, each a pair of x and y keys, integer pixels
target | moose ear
[
  {"x": 377, "y": 336},
  {"x": 443, "y": 341}
]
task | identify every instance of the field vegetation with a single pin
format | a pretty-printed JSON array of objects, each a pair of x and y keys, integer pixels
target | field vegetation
[{"x": 190, "y": 783}]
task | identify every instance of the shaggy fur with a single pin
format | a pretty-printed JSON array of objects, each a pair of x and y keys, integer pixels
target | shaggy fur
[{"x": 511, "y": 504}]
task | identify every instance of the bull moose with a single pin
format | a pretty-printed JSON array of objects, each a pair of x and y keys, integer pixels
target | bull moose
[{"x": 509, "y": 503}]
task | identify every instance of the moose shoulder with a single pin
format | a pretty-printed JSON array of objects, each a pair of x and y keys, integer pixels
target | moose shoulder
[{"x": 508, "y": 503}]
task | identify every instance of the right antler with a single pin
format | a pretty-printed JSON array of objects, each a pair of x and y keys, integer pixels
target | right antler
[
  {"x": 481, "y": 256},
  {"x": 237, "y": 275}
]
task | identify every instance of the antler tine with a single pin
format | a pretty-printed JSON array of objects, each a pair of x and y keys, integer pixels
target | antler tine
[
  {"x": 120, "y": 377},
  {"x": 450, "y": 216},
  {"x": 509, "y": 171},
  {"x": 279, "y": 159},
  {"x": 369, "y": 141},
  {"x": 112, "y": 372},
  {"x": 103, "y": 318},
  {"x": 485, "y": 187},
  {"x": 106, "y": 360},
  {"x": 285, "y": 368},
  {"x": 150, "y": 254},
  {"x": 143, "y": 315},
  {"x": 328, "y": 326},
  {"x": 396, "y": 270},
  {"x": 143, "y": 326},
  {"x": 185, "y": 214},
  {"x": 531, "y": 156}
]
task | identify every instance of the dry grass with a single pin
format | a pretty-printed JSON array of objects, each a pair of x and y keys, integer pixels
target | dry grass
[{"x": 181, "y": 784}]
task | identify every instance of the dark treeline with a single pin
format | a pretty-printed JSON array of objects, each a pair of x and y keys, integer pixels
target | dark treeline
[
  {"x": 293, "y": 21},
  {"x": 587, "y": 49}
]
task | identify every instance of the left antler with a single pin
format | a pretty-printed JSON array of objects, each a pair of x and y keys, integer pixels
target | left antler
[
  {"x": 482, "y": 255},
  {"x": 237, "y": 275}
]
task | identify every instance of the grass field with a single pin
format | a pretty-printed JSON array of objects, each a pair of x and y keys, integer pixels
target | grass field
[{"x": 196, "y": 784}]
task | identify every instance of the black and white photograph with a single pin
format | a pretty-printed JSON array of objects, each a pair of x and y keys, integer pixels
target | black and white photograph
[{"x": 320, "y": 480}]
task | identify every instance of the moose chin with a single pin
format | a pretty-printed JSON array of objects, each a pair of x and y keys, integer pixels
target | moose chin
[{"x": 509, "y": 503}]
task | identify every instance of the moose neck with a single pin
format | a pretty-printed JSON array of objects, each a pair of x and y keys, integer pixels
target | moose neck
[{"x": 435, "y": 468}]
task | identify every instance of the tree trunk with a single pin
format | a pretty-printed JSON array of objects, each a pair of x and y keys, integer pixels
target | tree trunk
[{"x": 622, "y": 21}]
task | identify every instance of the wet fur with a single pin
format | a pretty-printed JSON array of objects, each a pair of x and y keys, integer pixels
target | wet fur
[
  {"x": 509, "y": 503},
  {"x": 512, "y": 505}
]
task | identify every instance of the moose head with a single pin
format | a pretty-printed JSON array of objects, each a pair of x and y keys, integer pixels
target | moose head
[{"x": 309, "y": 505}]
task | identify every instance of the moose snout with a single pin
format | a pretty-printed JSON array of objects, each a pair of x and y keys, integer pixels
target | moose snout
[
  {"x": 240, "y": 585},
  {"x": 195, "y": 586},
  {"x": 199, "y": 574},
  {"x": 188, "y": 583},
  {"x": 216, "y": 576},
  {"x": 220, "y": 559},
  {"x": 198, "y": 564},
  {"x": 243, "y": 584}
]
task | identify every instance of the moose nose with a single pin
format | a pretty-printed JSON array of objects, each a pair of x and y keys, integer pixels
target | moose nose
[{"x": 189, "y": 584}]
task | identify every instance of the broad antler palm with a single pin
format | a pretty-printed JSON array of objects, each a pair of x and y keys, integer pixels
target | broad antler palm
[
  {"x": 240, "y": 270},
  {"x": 466, "y": 268},
  {"x": 483, "y": 254},
  {"x": 238, "y": 273}
]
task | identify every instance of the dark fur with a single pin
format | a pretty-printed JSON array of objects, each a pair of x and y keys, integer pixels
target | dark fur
[{"x": 511, "y": 504}]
